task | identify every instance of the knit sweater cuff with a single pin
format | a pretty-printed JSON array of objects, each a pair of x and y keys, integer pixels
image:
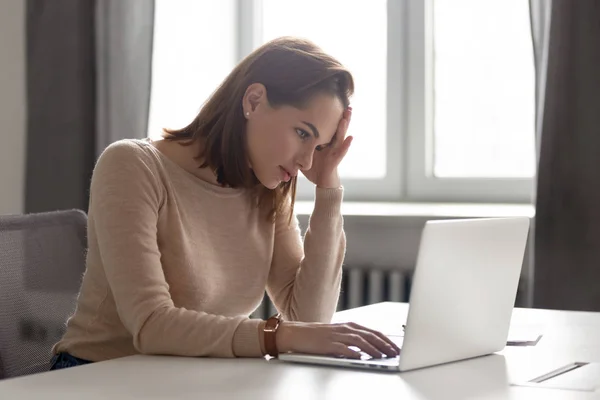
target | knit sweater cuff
[
  {"x": 328, "y": 201},
  {"x": 246, "y": 340}
]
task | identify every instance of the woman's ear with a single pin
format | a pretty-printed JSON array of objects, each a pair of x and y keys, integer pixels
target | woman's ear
[{"x": 255, "y": 96}]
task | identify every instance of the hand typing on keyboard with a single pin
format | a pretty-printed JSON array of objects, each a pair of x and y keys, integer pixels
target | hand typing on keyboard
[{"x": 348, "y": 340}]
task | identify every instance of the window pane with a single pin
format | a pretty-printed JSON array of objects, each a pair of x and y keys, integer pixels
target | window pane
[
  {"x": 484, "y": 87},
  {"x": 190, "y": 58},
  {"x": 355, "y": 32}
]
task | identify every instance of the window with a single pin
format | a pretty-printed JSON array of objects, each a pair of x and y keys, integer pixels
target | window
[
  {"x": 444, "y": 100},
  {"x": 471, "y": 107},
  {"x": 364, "y": 52},
  {"x": 483, "y": 80},
  {"x": 194, "y": 50}
]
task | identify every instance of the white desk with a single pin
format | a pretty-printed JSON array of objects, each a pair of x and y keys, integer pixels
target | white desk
[{"x": 568, "y": 337}]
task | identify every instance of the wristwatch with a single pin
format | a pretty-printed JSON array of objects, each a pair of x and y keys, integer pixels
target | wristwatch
[{"x": 270, "y": 332}]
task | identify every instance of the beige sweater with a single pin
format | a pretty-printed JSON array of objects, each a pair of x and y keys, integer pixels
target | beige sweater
[{"x": 176, "y": 265}]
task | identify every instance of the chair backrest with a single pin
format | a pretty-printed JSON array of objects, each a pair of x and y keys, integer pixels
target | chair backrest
[{"x": 42, "y": 261}]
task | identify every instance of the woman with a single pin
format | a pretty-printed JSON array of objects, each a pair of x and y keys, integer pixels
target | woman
[{"x": 186, "y": 233}]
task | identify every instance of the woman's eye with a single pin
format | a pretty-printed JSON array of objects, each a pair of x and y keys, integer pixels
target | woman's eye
[{"x": 302, "y": 133}]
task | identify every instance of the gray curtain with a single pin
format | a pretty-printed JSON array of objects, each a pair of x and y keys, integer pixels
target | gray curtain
[
  {"x": 540, "y": 14},
  {"x": 124, "y": 33},
  {"x": 541, "y": 17},
  {"x": 567, "y": 233},
  {"x": 88, "y": 84},
  {"x": 60, "y": 103}
]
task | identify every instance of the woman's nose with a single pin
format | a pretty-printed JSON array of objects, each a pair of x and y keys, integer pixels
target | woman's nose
[{"x": 305, "y": 160}]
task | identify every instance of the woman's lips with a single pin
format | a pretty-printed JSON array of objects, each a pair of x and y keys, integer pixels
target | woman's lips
[{"x": 285, "y": 175}]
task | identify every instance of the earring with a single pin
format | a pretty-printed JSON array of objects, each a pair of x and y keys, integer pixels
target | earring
[{"x": 247, "y": 113}]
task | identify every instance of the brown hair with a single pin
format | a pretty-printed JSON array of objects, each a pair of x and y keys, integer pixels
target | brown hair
[{"x": 292, "y": 70}]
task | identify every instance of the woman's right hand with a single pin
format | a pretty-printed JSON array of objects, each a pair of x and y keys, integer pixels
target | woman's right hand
[{"x": 333, "y": 340}]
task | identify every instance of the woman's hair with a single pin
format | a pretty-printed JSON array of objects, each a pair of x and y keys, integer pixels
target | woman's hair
[{"x": 293, "y": 71}]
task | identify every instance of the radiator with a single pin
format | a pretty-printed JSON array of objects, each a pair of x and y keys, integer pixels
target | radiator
[{"x": 361, "y": 285}]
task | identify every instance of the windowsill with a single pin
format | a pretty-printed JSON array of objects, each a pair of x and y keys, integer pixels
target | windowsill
[
  {"x": 425, "y": 210},
  {"x": 387, "y": 234}
]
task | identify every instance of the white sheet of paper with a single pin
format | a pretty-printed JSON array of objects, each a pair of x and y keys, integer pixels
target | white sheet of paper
[
  {"x": 585, "y": 378},
  {"x": 523, "y": 337}
]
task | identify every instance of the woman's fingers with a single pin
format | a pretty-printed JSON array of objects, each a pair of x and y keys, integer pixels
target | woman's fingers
[
  {"x": 344, "y": 149},
  {"x": 341, "y": 350},
  {"x": 357, "y": 340},
  {"x": 371, "y": 342},
  {"x": 378, "y": 334},
  {"x": 340, "y": 134},
  {"x": 380, "y": 344}
]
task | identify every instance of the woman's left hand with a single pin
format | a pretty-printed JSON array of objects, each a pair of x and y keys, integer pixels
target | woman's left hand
[{"x": 324, "y": 169}]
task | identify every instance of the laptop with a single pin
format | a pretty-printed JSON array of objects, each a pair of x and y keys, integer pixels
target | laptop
[{"x": 462, "y": 296}]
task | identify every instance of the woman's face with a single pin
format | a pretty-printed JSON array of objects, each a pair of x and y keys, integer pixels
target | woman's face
[{"x": 282, "y": 141}]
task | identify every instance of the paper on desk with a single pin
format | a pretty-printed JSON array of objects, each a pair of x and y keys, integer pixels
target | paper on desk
[
  {"x": 579, "y": 376},
  {"x": 523, "y": 337}
]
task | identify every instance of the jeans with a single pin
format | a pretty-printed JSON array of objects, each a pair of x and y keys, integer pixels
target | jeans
[{"x": 65, "y": 360}]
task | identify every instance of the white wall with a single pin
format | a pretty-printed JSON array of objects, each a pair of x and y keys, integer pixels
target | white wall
[{"x": 12, "y": 106}]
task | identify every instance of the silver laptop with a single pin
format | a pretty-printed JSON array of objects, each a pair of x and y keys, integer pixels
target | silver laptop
[{"x": 462, "y": 296}]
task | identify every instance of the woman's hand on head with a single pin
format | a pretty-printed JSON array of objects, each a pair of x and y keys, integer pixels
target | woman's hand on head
[
  {"x": 333, "y": 340},
  {"x": 324, "y": 169}
]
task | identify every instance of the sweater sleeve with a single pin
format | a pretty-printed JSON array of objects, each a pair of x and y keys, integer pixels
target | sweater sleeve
[
  {"x": 305, "y": 278},
  {"x": 125, "y": 200}
]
